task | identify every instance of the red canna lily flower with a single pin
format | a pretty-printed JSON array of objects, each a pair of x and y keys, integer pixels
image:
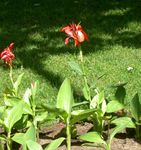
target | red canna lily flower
[
  {"x": 7, "y": 56},
  {"x": 76, "y": 32}
]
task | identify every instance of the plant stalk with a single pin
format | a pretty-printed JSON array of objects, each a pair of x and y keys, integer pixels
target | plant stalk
[
  {"x": 9, "y": 142},
  {"x": 10, "y": 74},
  {"x": 68, "y": 132},
  {"x": 138, "y": 131},
  {"x": 108, "y": 147},
  {"x": 84, "y": 74}
]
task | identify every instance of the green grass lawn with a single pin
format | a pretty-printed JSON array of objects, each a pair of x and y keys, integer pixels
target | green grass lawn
[{"x": 114, "y": 30}]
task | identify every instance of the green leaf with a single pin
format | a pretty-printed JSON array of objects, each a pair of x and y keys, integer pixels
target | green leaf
[
  {"x": 75, "y": 67},
  {"x": 10, "y": 100},
  {"x": 97, "y": 100},
  {"x": 78, "y": 115},
  {"x": 2, "y": 137},
  {"x": 120, "y": 94},
  {"x": 104, "y": 106},
  {"x": 31, "y": 134},
  {"x": 114, "y": 106},
  {"x": 81, "y": 103},
  {"x": 65, "y": 97},
  {"x": 13, "y": 115},
  {"x": 32, "y": 145},
  {"x": 55, "y": 144},
  {"x": 41, "y": 116},
  {"x": 124, "y": 121},
  {"x": 116, "y": 130},
  {"x": 135, "y": 107},
  {"x": 34, "y": 89},
  {"x": 56, "y": 111},
  {"x": 27, "y": 108},
  {"x": 2, "y": 110},
  {"x": 94, "y": 137},
  {"x": 19, "y": 138},
  {"x": 17, "y": 83},
  {"x": 27, "y": 95},
  {"x": 85, "y": 91}
]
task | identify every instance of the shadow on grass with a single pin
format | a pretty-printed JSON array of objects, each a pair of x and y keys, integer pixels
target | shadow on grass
[{"x": 34, "y": 27}]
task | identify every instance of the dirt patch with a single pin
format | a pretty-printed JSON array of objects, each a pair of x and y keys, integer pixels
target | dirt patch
[{"x": 120, "y": 143}]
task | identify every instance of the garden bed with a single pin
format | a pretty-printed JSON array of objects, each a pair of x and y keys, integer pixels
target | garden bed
[{"x": 121, "y": 141}]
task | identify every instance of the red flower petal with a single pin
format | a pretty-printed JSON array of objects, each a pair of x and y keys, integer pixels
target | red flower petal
[
  {"x": 67, "y": 40},
  {"x": 76, "y": 32},
  {"x": 7, "y": 56}
]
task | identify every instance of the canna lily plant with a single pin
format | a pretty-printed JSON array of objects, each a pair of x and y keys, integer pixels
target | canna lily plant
[
  {"x": 77, "y": 33},
  {"x": 7, "y": 56}
]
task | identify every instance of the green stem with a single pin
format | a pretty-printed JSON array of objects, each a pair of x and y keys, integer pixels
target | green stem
[
  {"x": 108, "y": 130},
  {"x": 138, "y": 131},
  {"x": 35, "y": 124},
  {"x": 11, "y": 77},
  {"x": 9, "y": 142},
  {"x": 84, "y": 74},
  {"x": 68, "y": 132},
  {"x": 108, "y": 147}
]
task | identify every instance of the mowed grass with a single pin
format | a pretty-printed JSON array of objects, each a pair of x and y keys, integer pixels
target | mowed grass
[{"x": 114, "y": 30}]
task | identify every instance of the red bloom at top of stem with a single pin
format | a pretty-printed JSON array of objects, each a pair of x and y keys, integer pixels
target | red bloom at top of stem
[
  {"x": 75, "y": 32},
  {"x": 7, "y": 56}
]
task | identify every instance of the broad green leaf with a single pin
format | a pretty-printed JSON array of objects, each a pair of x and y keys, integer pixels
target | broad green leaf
[
  {"x": 32, "y": 145},
  {"x": 78, "y": 115},
  {"x": 114, "y": 106},
  {"x": 124, "y": 121},
  {"x": 2, "y": 109},
  {"x": 104, "y": 106},
  {"x": 65, "y": 97},
  {"x": 2, "y": 137},
  {"x": 41, "y": 116},
  {"x": 55, "y": 144},
  {"x": 27, "y": 95},
  {"x": 116, "y": 130},
  {"x": 19, "y": 138},
  {"x": 94, "y": 137},
  {"x": 135, "y": 107},
  {"x": 17, "y": 83},
  {"x": 27, "y": 108},
  {"x": 13, "y": 115},
  {"x": 10, "y": 100},
  {"x": 31, "y": 134},
  {"x": 120, "y": 94},
  {"x": 56, "y": 111},
  {"x": 85, "y": 91},
  {"x": 76, "y": 67},
  {"x": 81, "y": 103},
  {"x": 98, "y": 120},
  {"x": 34, "y": 89},
  {"x": 97, "y": 100}
]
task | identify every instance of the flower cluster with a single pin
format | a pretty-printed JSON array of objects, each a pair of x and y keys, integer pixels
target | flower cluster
[
  {"x": 7, "y": 55},
  {"x": 75, "y": 32}
]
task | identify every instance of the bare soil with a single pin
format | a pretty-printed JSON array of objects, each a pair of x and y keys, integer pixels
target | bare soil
[{"x": 121, "y": 142}]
